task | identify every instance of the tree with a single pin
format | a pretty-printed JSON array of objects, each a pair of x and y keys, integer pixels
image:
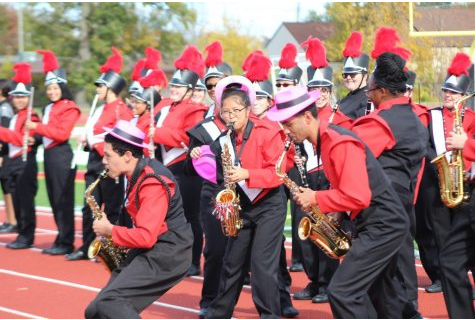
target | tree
[{"x": 313, "y": 16}]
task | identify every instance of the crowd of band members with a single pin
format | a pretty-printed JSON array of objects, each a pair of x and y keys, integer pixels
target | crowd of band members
[{"x": 397, "y": 139}]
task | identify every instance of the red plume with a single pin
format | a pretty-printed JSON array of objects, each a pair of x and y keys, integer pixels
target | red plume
[
  {"x": 22, "y": 73},
  {"x": 214, "y": 54},
  {"x": 315, "y": 52},
  {"x": 353, "y": 46},
  {"x": 385, "y": 40},
  {"x": 246, "y": 63},
  {"x": 192, "y": 60},
  {"x": 152, "y": 57},
  {"x": 156, "y": 77},
  {"x": 405, "y": 54},
  {"x": 258, "y": 68},
  {"x": 136, "y": 72},
  {"x": 288, "y": 56},
  {"x": 460, "y": 64},
  {"x": 49, "y": 60},
  {"x": 113, "y": 63}
]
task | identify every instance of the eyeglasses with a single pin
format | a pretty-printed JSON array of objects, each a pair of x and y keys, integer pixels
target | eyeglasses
[
  {"x": 320, "y": 89},
  {"x": 284, "y": 85},
  {"x": 211, "y": 86},
  {"x": 351, "y": 75},
  {"x": 370, "y": 90},
  {"x": 233, "y": 112}
]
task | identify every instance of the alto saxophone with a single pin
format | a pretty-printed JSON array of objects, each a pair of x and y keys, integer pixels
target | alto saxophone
[
  {"x": 323, "y": 231},
  {"x": 227, "y": 202},
  {"x": 110, "y": 255},
  {"x": 451, "y": 174}
]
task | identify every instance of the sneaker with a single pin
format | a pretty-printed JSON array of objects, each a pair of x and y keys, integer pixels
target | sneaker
[{"x": 434, "y": 287}]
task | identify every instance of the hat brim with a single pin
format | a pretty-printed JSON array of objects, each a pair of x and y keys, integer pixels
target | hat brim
[
  {"x": 112, "y": 133},
  {"x": 279, "y": 115}
]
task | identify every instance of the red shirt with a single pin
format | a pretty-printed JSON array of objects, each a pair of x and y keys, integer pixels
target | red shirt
[
  {"x": 61, "y": 121},
  {"x": 422, "y": 113},
  {"x": 180, "y": 118},
  {"x": 339, "y": 119},
  {"x": 149, "y": 219},
  {"x": 143, "y": 123},
  {"x": 344, "y": 162},
  {"x": 15, "y": 136},
  {"x": 468, "y": 150},
  {"x": 111, "y": 113}
]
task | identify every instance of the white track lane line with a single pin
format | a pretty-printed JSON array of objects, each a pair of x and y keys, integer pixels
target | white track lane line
[
  {"x": 84, "y": 287},
  {"x": 20, "y": 313}
]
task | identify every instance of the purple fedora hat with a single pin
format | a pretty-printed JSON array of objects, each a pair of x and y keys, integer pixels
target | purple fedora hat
[
  {"x": 206, "y": 165},
  {"x": 290, "y": 101},
  {"x": 127, "y": 132},
  {"x": 241, "y": 83}
]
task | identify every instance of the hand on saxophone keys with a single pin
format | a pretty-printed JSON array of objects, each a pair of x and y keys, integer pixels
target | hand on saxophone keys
[
  {"x": 237, "y": 174},
  {"x": 306, "y": 199},
  {"x": 102, "y": 227},
  {"x": 457, "y": 140}
]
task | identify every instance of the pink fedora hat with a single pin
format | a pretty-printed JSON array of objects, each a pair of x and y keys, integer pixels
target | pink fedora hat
[
  {"x": 128, "y": 132},
  {"x": 206, "y": 165},
  {"x": 290, "y": 101},
  {"x": 242, "y": 84}
]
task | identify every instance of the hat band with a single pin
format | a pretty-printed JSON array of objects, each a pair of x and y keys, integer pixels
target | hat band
[
  {"x": 293, "y": 102},
  {"x": 127, "y": 136}
]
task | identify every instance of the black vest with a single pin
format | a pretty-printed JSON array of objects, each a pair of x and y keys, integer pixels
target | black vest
[{"x": 354, "y": 104}]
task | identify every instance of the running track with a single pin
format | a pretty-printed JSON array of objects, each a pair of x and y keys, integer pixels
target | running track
[{"x": 34, "y": 285}]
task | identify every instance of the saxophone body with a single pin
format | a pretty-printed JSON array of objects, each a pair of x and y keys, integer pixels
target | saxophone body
[
  {"x": 102, "y": 247},
  {"x": 227, "y": 202},
  {"x": 451, "y": 173},
  {"x": 323, "y": 231}
]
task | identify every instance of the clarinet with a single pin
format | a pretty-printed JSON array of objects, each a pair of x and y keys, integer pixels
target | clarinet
[
  {"x": 26, "y": 134},
  {"x": 300, "y": 167}
]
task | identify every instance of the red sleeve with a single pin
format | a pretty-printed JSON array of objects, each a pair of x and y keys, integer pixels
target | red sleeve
[
  {"x": 468, "y": 150},
  {"x": 351, "y": 191},
  {"x": 150, "y": 219},
  {"x": 468, "y": 127},
  {"x": 375, "y": 133},
  {"x": 61, "y": 129},
  {"x": 419, "y": 176},
  {"x": 15, "y": 137}
]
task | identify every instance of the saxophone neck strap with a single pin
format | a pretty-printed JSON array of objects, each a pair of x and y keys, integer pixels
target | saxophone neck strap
[{"x": 246, "y": 135}]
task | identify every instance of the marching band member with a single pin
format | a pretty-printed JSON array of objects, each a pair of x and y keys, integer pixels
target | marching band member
[
  {"x": 22, "y": 175},
  {"x": 59, "y": 119},
  {"x": 216, "y": 69},
  {"x": 161, "y": 240},
  {"x": 177, "y": 115},
  {"x": 355, "y": 77},
  {"x": 110, "y": 192},
  {"x": 198, "y": 95},
  {"x": 455, "y": 229},
  {"x": 360, "y": 186}
]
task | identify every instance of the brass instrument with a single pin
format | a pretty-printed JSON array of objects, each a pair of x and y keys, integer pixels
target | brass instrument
[
  {"x": 323, "y": 231},
  {"x": 227, "y": 202},
  {"x": 111, "y": 255},
  {"x": 26, "y": 134},
  {"x": 451, "y": 174}
]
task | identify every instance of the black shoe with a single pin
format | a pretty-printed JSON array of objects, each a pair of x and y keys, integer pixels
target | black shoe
[
  {"x": 193, "y": 271},
  {"x": 307, "y": 293},
  {"x": 320, "y": 298},
  {"x": 202, "y": 313},
  {"x": 247, "y": 280},
  {"x": 8, "y": 228},
  {"x": 289, "y": 312},
  {"x": 77, "y": 255},
  {"x": 434, "y": 287},
  {"x": 60, "y": 251},
  {"x": 16, "y": 245},
  {"x": 296, "y": 267},
  {"x": 48, "y": 251}
]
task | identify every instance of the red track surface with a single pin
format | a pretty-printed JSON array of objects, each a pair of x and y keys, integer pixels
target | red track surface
[{"x": 36, "y": 285}]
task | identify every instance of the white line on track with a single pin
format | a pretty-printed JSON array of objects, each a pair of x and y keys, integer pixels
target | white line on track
[
  {"x": 84, "y": 287},
  {"x": 20, "y": 313}
]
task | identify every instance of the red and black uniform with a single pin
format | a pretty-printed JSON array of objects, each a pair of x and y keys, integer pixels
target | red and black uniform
[
  {"x": 160, "y": 245},
  {"x": 263, "y": 221},
  {"x": 22, "y": 176},
  {"x": 360, "y": 186},
  {"x": 109, "y": 192},
  {"x": 172, "y": 121},
  {"x": 6, "y": 113},
  {"x": 59, "y": 119},
  {"x": 143, "y": 123},
  {"x": 354, "y": 104},
  {"x": 204, "y": 133},
  {"x": 399, "y": 141},
  {"x": 454, "y": 227}
]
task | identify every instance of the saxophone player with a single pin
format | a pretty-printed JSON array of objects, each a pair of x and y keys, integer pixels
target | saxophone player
[
  {"x": 161, "y": 240},
  {"x": 360, "y": 186}
]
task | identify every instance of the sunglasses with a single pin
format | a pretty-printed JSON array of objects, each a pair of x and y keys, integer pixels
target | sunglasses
[
  {"x": 211, "y": 86},
  {"x": 284, "y": 85},
  {"x": 351, "y": 75}
]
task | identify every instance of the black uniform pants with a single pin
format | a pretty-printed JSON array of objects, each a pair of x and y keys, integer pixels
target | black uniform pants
[
  {"x": 149, "y": 275},
  {"x": 457, "y": 254},
  {"x": 59, "y": 179},
  {"x": 23, "y": 182},
  {"x": 262, "y": 236},
  {"x": 369, "y": 266},
  {"x": 109, "y": 192}
]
